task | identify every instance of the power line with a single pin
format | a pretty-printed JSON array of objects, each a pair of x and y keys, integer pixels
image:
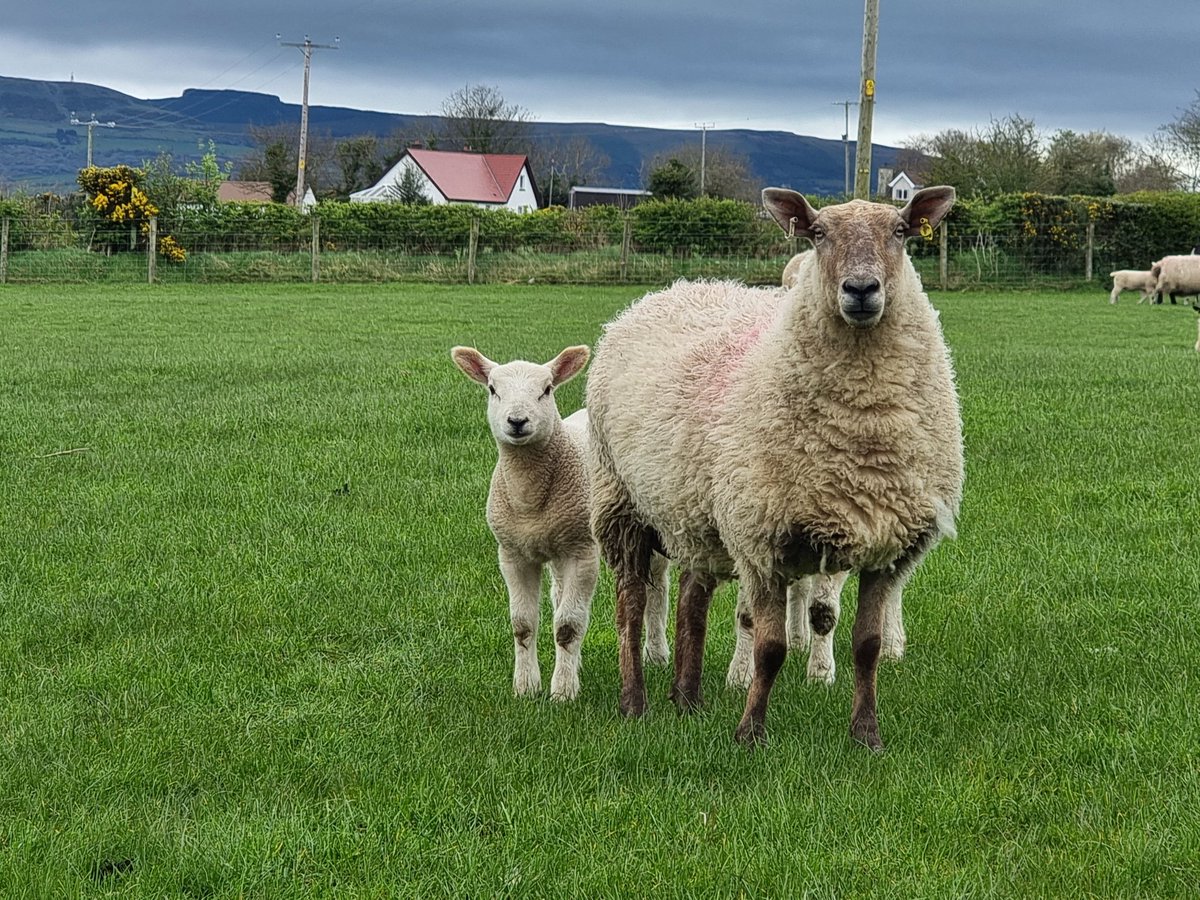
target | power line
[
  {"x": 308, "y": 47},
  {"x": 703, "y": 126}
]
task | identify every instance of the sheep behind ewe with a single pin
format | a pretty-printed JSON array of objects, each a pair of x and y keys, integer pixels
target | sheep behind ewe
[
  {"x": 1177, "y": 276},
  {"x": 772, "y": 440}
]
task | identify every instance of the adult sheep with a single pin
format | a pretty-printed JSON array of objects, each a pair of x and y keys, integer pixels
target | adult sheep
[
  {"x": 771, "y": 440},
  {"x": 1176, "y": 276}
]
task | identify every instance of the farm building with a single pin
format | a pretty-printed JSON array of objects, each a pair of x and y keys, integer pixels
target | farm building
[
  {"x": 497, "y": 180},
  {"x": 603, "y": 196}
]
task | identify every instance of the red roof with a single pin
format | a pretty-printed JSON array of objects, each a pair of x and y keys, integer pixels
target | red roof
[{"x": 471, "y": 177}]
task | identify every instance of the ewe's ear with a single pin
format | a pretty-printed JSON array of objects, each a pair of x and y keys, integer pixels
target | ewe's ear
[
  {"x": 568, "y": 364},
  {"x": 477, "y": 366},
  {"x": 785, "y": 205},
  {"x": 927, "y": 208}
]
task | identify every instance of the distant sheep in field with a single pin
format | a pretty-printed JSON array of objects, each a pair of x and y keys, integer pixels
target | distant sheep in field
[
  {"x": 816, "y": 435},
  {"x": 1176, "y": 276},
  {"x": 1133, "y": 280}
]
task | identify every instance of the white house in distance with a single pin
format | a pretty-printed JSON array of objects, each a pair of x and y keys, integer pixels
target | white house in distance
[
  {"x": 898, "y": 187},
  {"x": 493, "y": 180}
]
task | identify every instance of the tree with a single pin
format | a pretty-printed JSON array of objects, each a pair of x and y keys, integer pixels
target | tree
[
  {"x": 275, "y": 156},
  {"x": 478, "y": 118},
  {"x": 574, "y": 162},
  {"x": 1085, "y": 163},
  {"x": 360, "y": 162},
  {"x": 410, "y": 190},
  {"x": 1004, "y": 158},
  {"x": 1182, "y": 138},
  {"x": 673, "y": 180},
  {"x": 726, "y": 173},
  {"x": 1149, "y": 169}
]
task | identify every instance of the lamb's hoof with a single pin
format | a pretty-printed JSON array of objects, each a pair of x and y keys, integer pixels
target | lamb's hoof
[
  {"x": 686, "y": 699},
  {"x": 527, "y": 684},
  {"x": 633, "y": 703},
  {"x": 739, "y": 676},
  {"x": 798, "y": 640},
  {"x": 892, "y": 650},
  {"x": 865, "y": 730},
  {"x": 751, "y": 734},
  {"x": 656, "y": 656},
  {"x": 564, "y": 688},
  {"x": 821, "y": 673}
]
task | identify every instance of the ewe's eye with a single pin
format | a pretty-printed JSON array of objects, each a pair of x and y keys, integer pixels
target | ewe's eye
[
  {"x": 901, "y": 231},
  {"x": 818, "y": 233}
]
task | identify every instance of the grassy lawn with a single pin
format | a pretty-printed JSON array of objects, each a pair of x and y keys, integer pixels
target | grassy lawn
[{"x": 254, "y": 641}]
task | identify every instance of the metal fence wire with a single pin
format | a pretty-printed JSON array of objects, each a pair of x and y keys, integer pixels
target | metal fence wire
[{"x": 953, "y": 258}]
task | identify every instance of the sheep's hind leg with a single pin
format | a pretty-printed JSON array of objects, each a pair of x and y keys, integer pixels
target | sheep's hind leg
[
  {"x": 873, "y": 589},
  {"x": 576, "y": 579},
  {"x": 894, "y": 638},
  {"x": 524, "y": 581},
  {"x": 656, "y": 652},
  {"x": 824, "y": 610},
  {"x": 691, "y": 626},
  {"x": 741, "y": 668},
  {"x": 769, "y": 599}
]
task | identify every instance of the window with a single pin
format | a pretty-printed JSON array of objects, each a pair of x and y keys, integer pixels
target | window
[{"x": 522, "y": 182}]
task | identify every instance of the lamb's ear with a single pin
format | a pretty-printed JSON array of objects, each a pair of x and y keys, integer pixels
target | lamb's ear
[
  {"x": 477, "y": 366},
  {"x": 927, "y": 208},
  {"x": 786, "y": 206},
  {"x": 568, "y": 364}
]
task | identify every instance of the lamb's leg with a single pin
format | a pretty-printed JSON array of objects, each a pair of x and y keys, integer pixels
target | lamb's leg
[
  {"x": 824, "y": 610},
  {"x": 1116, "y": 292},
  {"x": 894, "y": 638},
  {"x": 691, "y": 625},
  {"x": 576, "y": 578},
  {"x": 524, "y": 581},
  {"x": 657, "y": 653},
  {"x": 769, "y": 599},
  {"x": 799, "y": 596},
  {"x": 741, "y": 667},
  {"x": 873, "y": 589}
]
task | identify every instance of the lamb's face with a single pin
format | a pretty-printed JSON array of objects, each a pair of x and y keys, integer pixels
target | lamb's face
[
  {"x": 521, "y": 405},
  {"x": 860, "y": 248}
]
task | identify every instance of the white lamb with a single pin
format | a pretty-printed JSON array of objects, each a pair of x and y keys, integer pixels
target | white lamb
[
  {"x": 770, "y": 441},
  {"x": 1177, "y": 276},
  {"x": 538, "y": 511},
  {"x": 1133, "y": 280}
]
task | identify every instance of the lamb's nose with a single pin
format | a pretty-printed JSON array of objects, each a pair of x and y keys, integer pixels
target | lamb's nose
[
  {"x": 860, "y": 288},
  {"x": 517, "y": 425}
]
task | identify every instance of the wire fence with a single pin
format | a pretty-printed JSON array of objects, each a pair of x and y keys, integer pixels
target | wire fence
[{"x": 953, "y": 258}]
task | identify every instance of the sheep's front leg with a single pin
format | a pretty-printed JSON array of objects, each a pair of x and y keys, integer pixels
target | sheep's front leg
[
  {"x": 824, "y": 610},
  {"x": 691, "y": 627},
  {"x": 657, "y": 653},
  {"x": 769, "y": 599},
  {"x": 524, "y": 581},
  {"x": 894, "y": 639},
  {"x": 576, "y": 582},
  {"x": 873, "y": 590},
  {"x": 741, "y": 668}
]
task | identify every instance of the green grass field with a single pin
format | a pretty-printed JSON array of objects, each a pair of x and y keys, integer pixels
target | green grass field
[{"x": 254, "y": 642}]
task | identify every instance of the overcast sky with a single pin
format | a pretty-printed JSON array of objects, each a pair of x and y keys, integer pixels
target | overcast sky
[{"x": 1123, "y": 66}]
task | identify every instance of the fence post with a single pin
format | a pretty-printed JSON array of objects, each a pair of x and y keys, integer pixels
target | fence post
[
  {"x": 626, "y": 239},
  {"x": 152, "y": 249},
  {"x": 472, "y": 247},
  {"x": 944, "y": 256},
  {"x": 316, "y": 248},
  {"x": 4, "y": 251},
  {"x": 1091, "y": 246}
]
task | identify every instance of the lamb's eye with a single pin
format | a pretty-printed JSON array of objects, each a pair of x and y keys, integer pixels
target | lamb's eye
[
  {"x": 491, "y": 390},
  {"x": 546, "y": 392}
]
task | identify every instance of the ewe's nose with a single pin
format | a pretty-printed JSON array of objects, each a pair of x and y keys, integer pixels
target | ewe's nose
[{"x": 861, "y": 289}]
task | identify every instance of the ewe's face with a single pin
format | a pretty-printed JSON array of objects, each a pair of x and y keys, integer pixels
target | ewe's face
[
  {"x": 521, "y": 405},
  {"x": 860, "y": 247}
]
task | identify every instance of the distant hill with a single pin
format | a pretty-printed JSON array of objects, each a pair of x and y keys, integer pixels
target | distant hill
[{"x": 41, "y": 151}]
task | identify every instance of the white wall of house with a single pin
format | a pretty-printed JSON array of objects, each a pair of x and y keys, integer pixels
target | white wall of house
[{"x": 523, "y": 198}]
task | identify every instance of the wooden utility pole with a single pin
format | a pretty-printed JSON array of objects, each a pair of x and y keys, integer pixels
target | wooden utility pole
[
  {"x": 866, "y": 104},
  {"x": 91, "y": 124},
  {"x": 703, "y": 126},
  {"x": 308, "y": 47}
]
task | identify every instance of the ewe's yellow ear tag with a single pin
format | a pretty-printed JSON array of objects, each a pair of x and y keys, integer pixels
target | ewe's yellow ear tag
[{"x": 926, "y": 229}]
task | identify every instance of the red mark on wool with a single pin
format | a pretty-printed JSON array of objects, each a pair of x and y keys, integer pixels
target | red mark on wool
[{"x": 724, "y": 364}]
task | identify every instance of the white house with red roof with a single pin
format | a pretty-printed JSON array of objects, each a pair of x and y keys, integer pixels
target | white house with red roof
[{"x": 495, "y": 180}]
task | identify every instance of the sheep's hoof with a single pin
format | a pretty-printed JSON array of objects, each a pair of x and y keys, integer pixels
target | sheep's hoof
[
  {"x": 565, "y": 689},
  {"x": 686, "y": 699},
  {"x": 751, "y": 734},
  {"x": 865, "y": 730},
  {"x": 633, "y": 702},
  {"x": 526, "y": 684}
]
